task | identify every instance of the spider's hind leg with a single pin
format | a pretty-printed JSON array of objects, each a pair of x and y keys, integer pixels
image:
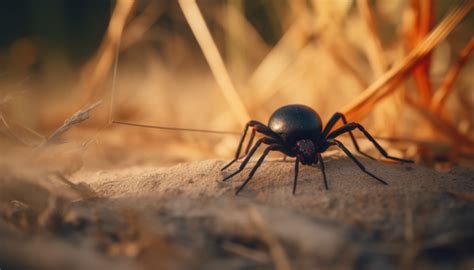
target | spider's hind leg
[
  {"x": 256, "y": 127},
  {"x": 264, "y": 140}
]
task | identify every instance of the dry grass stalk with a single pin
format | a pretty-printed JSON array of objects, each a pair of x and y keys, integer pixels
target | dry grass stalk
[
  {"x": 76, "y": 118},
  {"x": 387, "y": 83},
  {"x": 8, "y": 128},
  {"x": 11, "y": 96},
  {"x": 96, "y": 70},
  {"x": 10, "y": 134},
  {"x": 137, "y": 28},
  {"x": 374, "y": 52},
  {"x": 203, "y": 35},
  {"x": 293, "y": 72},
  {"x": 277, "y": 252},
  {"x": 338, "y": 46},
  {"x": 446, "y": 87},
  {"x": 341, "y": 59},
  {"x": 443, "y": 125},
  {"x": 278, "y": 60},
  {"x": 376, "y": 55},
  {"x": 423, "y": 22},
  {"x": 114, "y": 87}
]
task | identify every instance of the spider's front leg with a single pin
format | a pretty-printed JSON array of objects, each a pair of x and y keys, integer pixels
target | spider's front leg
[
  {"x": 331, "y": 124},
  {"x": 351, "y": 126},
  {"x": 323, "y": 170},
  {"x": 272, "y": 147}
]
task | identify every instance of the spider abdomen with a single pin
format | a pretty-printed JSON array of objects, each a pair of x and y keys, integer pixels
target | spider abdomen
[{"x": 296, "y": 122}]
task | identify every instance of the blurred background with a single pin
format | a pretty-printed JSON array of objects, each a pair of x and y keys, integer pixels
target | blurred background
[{"x": 216, "y": 64}]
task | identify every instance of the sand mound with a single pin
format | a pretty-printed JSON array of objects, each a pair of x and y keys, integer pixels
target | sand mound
[{"x": 185, "y": 216}]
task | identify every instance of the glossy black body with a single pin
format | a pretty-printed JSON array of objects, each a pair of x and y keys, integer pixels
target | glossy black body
[{"x": 296, "y": 122}]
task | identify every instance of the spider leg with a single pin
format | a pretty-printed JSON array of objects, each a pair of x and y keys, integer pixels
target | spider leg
[
  {"x": 259, "y": 162},
  {"x": 331, "y": 124},
  {"x": 351, "y": 126},
  {"x": 323, "y": 170},
  {"x": 237, "y": 152},
  {"x": 265, "y": 140},
  {"x": 252, "y": 136},
  {"x": 357, "y": 162},
  {"x": 297, "y": 161},
  {"x": 257, "y": 126}
]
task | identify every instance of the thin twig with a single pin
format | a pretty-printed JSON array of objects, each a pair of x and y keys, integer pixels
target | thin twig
[
  {"x": 446, "y": 86},
  {"x": 203, "y": 35}
]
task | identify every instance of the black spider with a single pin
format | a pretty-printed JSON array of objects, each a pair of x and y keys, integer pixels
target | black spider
[{"x": 297, "y": 131}]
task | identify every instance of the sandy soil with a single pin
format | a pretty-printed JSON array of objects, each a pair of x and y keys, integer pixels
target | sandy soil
[{"x": 185, "y": 217}]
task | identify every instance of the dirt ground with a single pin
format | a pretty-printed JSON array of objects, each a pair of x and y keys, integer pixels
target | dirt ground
[{"x": 185, "y": 217}]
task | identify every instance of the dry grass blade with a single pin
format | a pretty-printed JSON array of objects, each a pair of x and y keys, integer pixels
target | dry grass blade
[
  {"x": 446, "y": 86},
  {"x": 277, "y": 252},
  {"x": 8, "y": 129},
  {"x": 386, "y": 84},
  {"x": 278, "y": 59},
  {"x": 203, "y": 35},
  {"x": 291, "y": 69},
  {"x": 9, "y": 132},
  {"x": 375, "y": 51},
  {"x": 443, "y": 125},
  {"x": 96, "y": 70},
  {"x": 343, "y": 60},
  {"x": 424, "y": 18},
  {"x": 137, "y": 28},
  {"x": 76, "y": 118},
  {"x": 11, "y": 96}
]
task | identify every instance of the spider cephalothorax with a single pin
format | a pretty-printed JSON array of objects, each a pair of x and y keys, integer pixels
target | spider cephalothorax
[{"x": 297, "y": 131}]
